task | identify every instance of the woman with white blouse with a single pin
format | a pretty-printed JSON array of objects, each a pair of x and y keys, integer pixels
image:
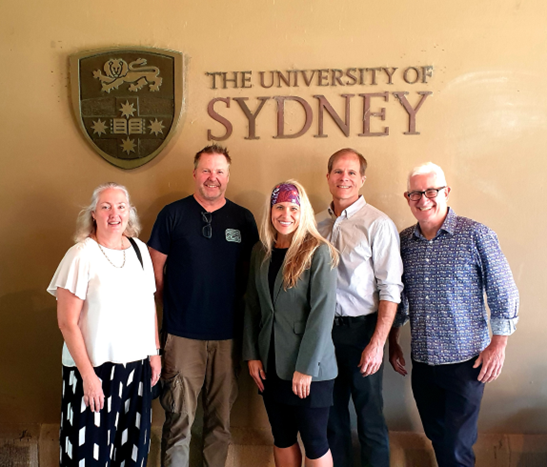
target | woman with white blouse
[{"x": 105, "y": 309}]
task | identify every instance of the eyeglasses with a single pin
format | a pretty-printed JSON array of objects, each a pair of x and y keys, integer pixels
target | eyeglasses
[
  {"x": 207, "y": 229},
  {"x": 429, "y": 193}
]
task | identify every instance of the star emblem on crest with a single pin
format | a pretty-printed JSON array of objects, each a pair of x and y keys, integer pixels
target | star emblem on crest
[
  {"x": 128, "y": 145},
  {"x": 99, "y": 127},
  {"x": 122, "y": 104},
  {"x": 156, "y": 127},
  {"x": 127, "y": 109}
]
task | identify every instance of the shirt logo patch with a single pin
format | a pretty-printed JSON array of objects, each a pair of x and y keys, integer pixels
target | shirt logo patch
[{"x": 233, "y": 235}]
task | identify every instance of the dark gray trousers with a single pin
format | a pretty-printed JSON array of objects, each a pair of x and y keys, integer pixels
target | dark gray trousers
[{"x": 351, "y": 336}]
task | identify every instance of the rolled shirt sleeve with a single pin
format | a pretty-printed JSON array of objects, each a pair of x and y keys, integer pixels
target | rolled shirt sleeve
[
  {"x": 401, "y": 317},
  {"x": 501, "y": 291},
  {"x": 386, "y": 259}
]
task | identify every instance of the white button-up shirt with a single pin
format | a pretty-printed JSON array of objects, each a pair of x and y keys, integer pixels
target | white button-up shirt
[{"x": 370, "y": 265}]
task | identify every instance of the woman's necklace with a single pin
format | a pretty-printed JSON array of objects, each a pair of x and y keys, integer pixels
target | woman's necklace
[{"x": 108, "y": 259}]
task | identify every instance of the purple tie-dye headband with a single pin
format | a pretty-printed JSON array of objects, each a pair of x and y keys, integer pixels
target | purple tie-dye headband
[{"x": 285, "y": 192}]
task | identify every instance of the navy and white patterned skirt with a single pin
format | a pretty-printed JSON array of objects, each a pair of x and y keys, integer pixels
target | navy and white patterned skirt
[{"x": 117, "y": 435}]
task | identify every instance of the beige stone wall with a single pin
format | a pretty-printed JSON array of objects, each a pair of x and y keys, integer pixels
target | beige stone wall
[{"x": 484, "y": 123}]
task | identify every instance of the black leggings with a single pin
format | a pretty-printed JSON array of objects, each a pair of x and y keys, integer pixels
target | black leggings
[{"x": 288, "y": 420}]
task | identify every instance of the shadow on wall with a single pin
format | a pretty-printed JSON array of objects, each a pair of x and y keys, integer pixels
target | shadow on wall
[
  {"x": 530, "y": 449},
  {"x": 253, "y": 201},
  {"x": 534, "y": 417},
  {"x": 30, "y": 343},
  {"x": 532, "y": 459},
  {"x": 409, "y": 449},
  {"x": 148, "y": 216},
  {"x": 319, "y": 204}
]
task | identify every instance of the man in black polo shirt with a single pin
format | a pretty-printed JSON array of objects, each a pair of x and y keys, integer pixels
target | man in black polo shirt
[{"x": 200, "y": 246}]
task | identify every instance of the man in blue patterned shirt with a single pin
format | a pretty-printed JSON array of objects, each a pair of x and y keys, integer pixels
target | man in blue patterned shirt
[{"x": 450, "y": 262}]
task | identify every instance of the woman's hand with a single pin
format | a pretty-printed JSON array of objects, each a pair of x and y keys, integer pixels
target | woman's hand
[
  {"x": 256, "y": 370},
  {"x": 93, "y": 392},
  {"x": 301, "y": 384},
  {"x": 155, "y": 365}
]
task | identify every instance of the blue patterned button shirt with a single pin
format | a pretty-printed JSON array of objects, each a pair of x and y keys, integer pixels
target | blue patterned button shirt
[{"x": 445, "y": 280}]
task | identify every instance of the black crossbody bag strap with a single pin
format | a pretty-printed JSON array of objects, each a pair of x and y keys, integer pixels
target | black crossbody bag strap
[
  {"x": 156, "y": 390},
  {"x": 134, "y": 245}
]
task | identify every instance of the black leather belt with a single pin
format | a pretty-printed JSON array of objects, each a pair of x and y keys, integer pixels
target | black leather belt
[{"x": 349, "y": 320}]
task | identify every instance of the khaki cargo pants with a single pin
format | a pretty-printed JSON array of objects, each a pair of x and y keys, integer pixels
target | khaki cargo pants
[{"x": 191, "y": 366}]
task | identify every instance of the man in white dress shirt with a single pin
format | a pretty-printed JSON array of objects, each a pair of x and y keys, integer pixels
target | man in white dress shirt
[{"x": 368, "y": 291}]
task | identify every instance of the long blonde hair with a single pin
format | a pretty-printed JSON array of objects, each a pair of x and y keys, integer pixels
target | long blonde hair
[{"x": 305, "y": 241}]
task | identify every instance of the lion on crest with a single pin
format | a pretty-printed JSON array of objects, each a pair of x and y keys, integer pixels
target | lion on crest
[{"x": 118, "y": 72}]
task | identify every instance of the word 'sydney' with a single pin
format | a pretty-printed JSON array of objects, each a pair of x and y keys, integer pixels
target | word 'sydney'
[{"x": 305, "y": 114}]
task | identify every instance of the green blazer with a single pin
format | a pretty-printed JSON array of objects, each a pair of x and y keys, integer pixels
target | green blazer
[{"x": 302, "y": 318}]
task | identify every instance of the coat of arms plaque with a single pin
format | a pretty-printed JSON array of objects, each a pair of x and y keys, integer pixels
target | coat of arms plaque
[{"x": 128, "y": 101}]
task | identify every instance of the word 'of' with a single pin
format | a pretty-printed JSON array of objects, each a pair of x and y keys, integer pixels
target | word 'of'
[
  {"x": 323, "y": 105},
  {"x": 320, "y": 77}
]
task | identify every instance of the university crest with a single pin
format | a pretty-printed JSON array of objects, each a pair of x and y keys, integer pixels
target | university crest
[{"x": 128, "y": 101}]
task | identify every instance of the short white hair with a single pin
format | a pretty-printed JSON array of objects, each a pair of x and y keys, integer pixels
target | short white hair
[{"x": 427, "y": 168}]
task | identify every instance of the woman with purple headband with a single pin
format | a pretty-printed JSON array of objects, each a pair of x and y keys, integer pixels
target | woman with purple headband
[{"x": 289, "y": 315}]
